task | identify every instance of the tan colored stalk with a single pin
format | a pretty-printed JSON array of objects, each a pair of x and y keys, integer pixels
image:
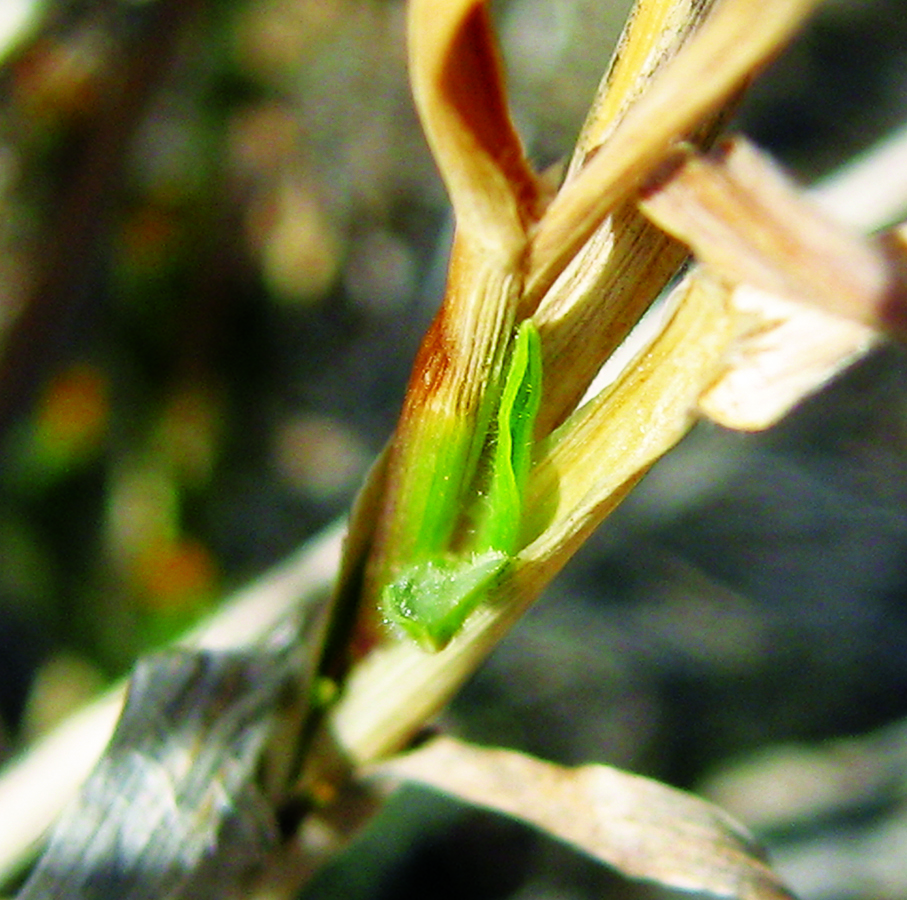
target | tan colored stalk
[
  {"x": 626, "y": 262},
  {"x": 580, "y": 297},
  {"x": 655, "y": 31}
]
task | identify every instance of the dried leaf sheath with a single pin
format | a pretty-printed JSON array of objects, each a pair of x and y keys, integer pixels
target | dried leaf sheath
[
  {"x": 594, "y": 467},
  {"x": 595, "y": 303}
]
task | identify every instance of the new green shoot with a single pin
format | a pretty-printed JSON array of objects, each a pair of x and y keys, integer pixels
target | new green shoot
[{"x": 431, "y": 598}]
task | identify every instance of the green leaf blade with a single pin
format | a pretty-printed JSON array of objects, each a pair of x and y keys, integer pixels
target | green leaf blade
[{"x": 511, "y": 458}]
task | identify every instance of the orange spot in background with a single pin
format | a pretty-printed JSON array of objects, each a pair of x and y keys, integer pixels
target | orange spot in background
[
  {"x": 75, "y": 408},
  {"x": 147, "y": 237},
  {"x": 176, "y": 575},
  {"x": 59, "y": 79}
]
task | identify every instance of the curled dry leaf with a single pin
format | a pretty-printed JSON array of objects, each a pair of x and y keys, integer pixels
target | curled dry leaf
[
  {"x": 752, "y": 229},
  {"x": 458, "y": 87},
  {"x": 641, "y": 827},
  {"x": 34, "y": 788}
]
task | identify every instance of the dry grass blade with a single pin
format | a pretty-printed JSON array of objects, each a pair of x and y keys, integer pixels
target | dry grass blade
[
  {"x": 746, "y": 222},
  {"x": 641, "y": 827},
  {"x": 728, "y": 48},
  {"x": 750, "y": 227},
  {"x": 626, "y": 263},
  {"x": 655, "y": 31}
]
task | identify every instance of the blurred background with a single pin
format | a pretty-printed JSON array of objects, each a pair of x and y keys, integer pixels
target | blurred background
[{"x": 221, "y": 238}]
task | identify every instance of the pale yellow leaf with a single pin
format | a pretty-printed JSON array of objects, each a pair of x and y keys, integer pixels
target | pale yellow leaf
[
  {"x": 655, "y": 31},
  {"x": 728, "y": 48},
  {"x": 583, "y": 470},
  {"x": 643, "y": 828}
]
